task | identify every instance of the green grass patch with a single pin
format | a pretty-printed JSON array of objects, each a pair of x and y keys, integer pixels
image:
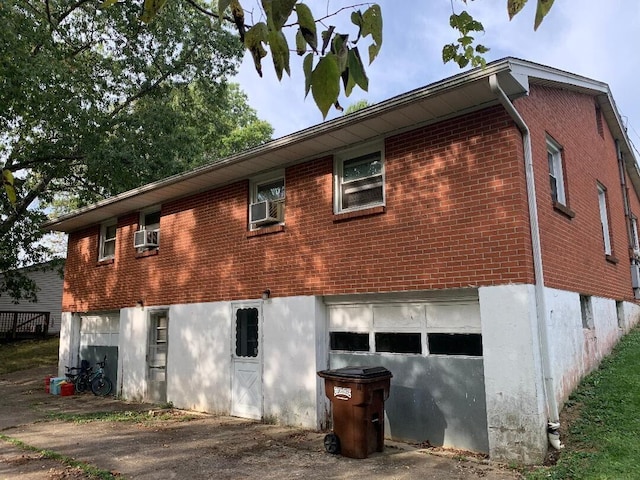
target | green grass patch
[
  {"x": 25, "y": 354},
  {"x": 603, "y": 442},
  {"x": 90, "y": 470}
]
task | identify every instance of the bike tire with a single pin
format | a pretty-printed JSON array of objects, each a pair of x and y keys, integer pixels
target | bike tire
[
  {"x": 101, "y": 386},
  {"x": 81, "y": 384}
]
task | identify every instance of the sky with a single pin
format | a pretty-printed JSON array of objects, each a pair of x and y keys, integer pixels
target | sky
[{"x": 593, "y": 38}]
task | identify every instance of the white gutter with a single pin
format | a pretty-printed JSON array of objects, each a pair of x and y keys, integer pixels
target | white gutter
[{"x": 543, "y": 336}]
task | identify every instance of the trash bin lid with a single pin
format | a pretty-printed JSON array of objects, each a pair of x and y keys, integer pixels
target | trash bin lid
[{"x": 358, "y": 372}]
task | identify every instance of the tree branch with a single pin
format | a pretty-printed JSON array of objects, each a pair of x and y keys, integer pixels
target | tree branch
[
  {"x": 329, "y": 15},
  {"x": 69, "y": 10},
  {"x": 24, "y": 203},
  {"x": 209, "y": 13},
  {"x": 151, "y": 86}
]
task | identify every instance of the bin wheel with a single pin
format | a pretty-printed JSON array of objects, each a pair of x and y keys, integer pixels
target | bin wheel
[{"x": 332, "y": 443}]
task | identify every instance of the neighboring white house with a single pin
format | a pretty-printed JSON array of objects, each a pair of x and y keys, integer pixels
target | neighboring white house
[{"x": 50, "y": 284}]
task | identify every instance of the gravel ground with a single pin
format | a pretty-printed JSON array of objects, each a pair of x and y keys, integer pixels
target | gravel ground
[{"x": 177, "y": 444}]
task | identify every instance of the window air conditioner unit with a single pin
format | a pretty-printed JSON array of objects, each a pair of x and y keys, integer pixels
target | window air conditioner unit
[
  {"x": 265, "y": 212},
  {"x": 146, "y": 238}
]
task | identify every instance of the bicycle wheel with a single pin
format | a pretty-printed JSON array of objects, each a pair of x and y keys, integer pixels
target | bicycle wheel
[
  {"x": 101, "y": 386},
  {"x": 81, "y": 383}
]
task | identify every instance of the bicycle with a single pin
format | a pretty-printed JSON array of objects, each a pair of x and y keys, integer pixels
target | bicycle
[
  {"x": 79, "y": 375},
  {"x": 101, "y": 385}
]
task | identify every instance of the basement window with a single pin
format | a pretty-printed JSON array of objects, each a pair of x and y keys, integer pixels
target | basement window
[
  {"x": 620, "y": 313},
  {"x": 455, "y": 344},
  {"x": 349, "y": 341},
  {"x": 586, "y": 311}
]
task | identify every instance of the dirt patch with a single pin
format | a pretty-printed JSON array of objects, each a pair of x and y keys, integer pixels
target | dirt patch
[{"x": 172, "y": 444}]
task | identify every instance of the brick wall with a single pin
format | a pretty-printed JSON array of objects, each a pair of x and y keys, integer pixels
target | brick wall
[
  {"x": 573, "y": 248},
  {"x": 456, "y": 216}
]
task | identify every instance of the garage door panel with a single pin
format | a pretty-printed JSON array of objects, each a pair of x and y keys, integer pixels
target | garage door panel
[
  {"x": 398, "y": 316},
  {"x": 100, "y": 329},
  {"x": 454, "y": 318},
  {"x": 347, "y": 318}
]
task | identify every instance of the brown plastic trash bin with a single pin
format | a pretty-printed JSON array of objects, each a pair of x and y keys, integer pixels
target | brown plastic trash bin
[{"x": 357, "y": 395}]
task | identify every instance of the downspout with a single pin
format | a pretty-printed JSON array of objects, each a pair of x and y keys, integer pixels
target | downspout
[{"x": 541, "y": 310}]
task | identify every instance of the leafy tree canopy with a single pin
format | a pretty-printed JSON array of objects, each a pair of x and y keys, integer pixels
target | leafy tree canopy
[{"x": 93, "y": 102}]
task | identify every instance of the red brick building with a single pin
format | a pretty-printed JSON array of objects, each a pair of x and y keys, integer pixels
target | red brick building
[{"x": 475, "y": 236}]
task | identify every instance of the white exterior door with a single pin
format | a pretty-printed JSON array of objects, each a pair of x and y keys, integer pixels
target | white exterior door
[
  {"x": 246, "y": 359},
  {"x": 157, "y": 356}
]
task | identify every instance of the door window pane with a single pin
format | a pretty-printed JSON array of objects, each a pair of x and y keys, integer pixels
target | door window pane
[{"x": 247, "y": 332}]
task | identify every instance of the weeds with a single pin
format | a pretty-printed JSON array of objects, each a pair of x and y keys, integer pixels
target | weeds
[
  {"x": 603, "y": 442},
  {"x": 90, "y": 470}
]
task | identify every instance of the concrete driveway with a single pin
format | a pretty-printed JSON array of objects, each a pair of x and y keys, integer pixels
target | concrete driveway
[{"x": 177, "y": 444}]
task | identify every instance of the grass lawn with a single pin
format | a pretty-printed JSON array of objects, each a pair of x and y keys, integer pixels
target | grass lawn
[
  {"x": 603, "y": 415},
  {"x": 28, "y": 354}
]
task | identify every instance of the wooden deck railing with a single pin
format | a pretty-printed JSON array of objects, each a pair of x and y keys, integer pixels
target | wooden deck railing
[{"x": 24, "y": 324}]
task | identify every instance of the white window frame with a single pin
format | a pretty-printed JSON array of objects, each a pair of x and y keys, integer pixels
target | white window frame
[
  {"x": 556, "y": 171},
  {"x": 604, "y": 219},
  {"x": 142, "y": 224},
  {"x": 104, "y": 240},
  {"x": 351, "y": 154},
  {"x": 265, "y": 179},
  {"x": 634, "y": 235}
]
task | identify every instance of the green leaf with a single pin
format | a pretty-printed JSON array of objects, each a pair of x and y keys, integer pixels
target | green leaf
[
  {"x": 449, "y": 52},
  {"x": 357, "y": 75},
  {"x": 222, "y": 6},
  {"x": 326, "y": 37},
  {"x": 372, "y": 25},
  {"x": 325, "y": 83},
  {"x": 301, "y": 43},
  {"x": 482, "y": 49},
  {"x": 543, "y": 8},
  {"x": 514, "y": 6},
  {"x": 307, "y": 68},
  {"x": 107, "y": 3},
  {"x": 279, "y": 52},
  {"x": 278, "y": 11},
  {"x": 253, "y": 40},
  {"x": 150, "y": 9},
  {"x": 8, "y": 182},
  {"x": 307, "y": 25},
  {"x": 340, "y": 48},
  {"x": 356, "y": 19},
  {"x": 237, "y": 12},
  {"x": 466, "y": 40}
]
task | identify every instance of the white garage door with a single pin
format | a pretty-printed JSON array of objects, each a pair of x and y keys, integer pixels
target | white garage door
[
  {"x": 99, "y": 337},
  {"x": 99, "y": 330}
]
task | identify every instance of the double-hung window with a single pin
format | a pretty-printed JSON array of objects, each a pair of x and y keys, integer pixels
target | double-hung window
[
  {"x": 556, "y": 175},
  {"x": 359, "y": 179},
  {"x": 604, "y": 219},
  {"x": 107, "y": 240},
  {"x": 267, "y": 200}
]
